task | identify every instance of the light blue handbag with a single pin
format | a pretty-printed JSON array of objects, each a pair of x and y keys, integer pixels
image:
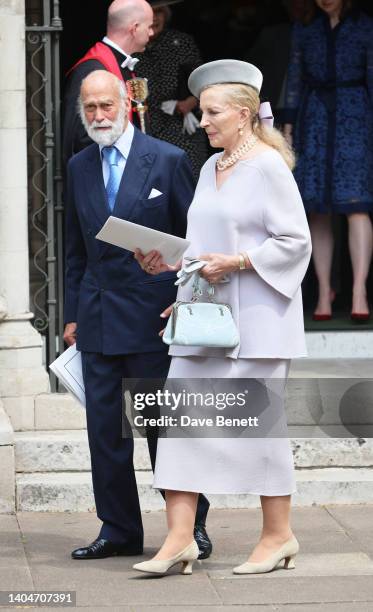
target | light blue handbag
[{"x": 198, "y": 323}]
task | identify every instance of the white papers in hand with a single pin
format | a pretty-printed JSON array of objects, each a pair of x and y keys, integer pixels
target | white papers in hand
[
  {"x": 132, "y": 236},
  {"x": 68, "y": 369}
]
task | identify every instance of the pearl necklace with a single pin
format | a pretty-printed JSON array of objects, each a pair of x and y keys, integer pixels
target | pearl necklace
[{"x": 235, "y": 156}]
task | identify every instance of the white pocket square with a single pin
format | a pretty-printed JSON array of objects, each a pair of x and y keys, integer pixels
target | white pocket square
[{"x": 154, "y": 193}]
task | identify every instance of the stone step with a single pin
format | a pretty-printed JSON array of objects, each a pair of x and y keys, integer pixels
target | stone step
[
  {"x": 58, "y": 411},
  {"x": 67, "y": 451},
  {"x": 308, "y": 399},
  {"x": 52, "y": 451},
  {"x": 354, "y": 367},
  {"x": 340, "y": 344},
  {"x": 72, "y": 492}
]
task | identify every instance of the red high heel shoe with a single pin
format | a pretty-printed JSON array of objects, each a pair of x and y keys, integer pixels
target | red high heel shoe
[
  {"x": 325, "y": 317},
  {"x": 321, "y": 317},
  {"x": 360, "y": 317}
]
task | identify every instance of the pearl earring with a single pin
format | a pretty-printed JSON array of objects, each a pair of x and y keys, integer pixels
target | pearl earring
[{"x": 240, "y": 131}]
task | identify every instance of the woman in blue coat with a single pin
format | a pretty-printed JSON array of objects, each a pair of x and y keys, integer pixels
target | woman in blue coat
[{"x": 329, "y": 114}]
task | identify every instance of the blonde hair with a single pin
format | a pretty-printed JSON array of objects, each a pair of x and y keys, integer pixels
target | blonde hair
[{"x": 245, "y": 96}]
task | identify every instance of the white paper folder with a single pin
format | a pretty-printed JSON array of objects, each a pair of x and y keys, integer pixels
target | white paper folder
[
  {"x": 132, "y": 236},
  {"x": 68, "y": 369}
]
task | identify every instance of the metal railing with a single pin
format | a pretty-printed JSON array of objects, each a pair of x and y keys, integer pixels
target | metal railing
[{"x": 45, "y": 176}]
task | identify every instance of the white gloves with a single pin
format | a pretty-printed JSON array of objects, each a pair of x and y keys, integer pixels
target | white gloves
[{"x": 190, "y": 123}]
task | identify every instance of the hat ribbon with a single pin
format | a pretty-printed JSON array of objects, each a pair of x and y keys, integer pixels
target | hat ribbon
[{"x": 265, "y": 114}]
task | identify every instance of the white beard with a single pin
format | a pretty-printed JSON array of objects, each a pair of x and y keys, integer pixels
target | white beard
[{"x": 107, "y": 137}]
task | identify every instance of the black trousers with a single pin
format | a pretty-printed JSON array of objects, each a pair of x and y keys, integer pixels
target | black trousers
[{"x": 113, "y": 475}]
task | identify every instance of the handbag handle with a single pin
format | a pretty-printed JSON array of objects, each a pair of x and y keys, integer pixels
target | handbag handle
[
  {"x": 189, "y": 269},
  {"x": 197, "y": 290}
]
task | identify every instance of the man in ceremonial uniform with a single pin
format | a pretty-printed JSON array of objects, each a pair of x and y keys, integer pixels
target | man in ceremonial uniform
[{"x": 129, "y": 26}]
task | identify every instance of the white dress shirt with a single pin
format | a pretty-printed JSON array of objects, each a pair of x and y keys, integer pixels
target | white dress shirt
[
  {"x": 129, "y": 62},
  {"x": 123, "y": 144}
]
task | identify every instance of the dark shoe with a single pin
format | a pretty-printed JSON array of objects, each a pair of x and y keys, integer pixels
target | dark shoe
[
  {"x": 203, "y": 541},
  {"x": 100, "y": 549}
]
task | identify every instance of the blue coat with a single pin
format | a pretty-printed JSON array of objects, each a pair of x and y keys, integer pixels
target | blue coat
[
  {"x": 115, "y": 304},
  {"x": 330, "y": 99}
]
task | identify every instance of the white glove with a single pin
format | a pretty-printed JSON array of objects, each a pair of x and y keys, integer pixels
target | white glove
[
  {"x": 190, "y": 268},
  {"x": 190, "y": 124},
  {"x": 169, "y": 106}
]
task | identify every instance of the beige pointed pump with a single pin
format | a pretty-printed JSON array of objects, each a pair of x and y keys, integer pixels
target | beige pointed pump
[
  {"x": 286, "y": 553},
  {"x": 161, "y": 566}
]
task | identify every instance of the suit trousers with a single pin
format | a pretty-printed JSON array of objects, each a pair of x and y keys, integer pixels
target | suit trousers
[{"x": 113, "y": 475}]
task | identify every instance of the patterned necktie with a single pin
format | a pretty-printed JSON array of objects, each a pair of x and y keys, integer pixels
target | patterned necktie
[{"x": 112, "y": 157}]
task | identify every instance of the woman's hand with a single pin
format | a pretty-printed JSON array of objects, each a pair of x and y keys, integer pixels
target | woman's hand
[
  {"x": 218, "y": 265},
  {"x": 153, "y": 263},
  {"x": 164, "y": 315},
  {"x": 186, "y": 106}
]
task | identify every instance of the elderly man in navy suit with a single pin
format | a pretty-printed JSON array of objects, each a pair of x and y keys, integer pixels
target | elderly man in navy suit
[{"x": 112, "y": 306}]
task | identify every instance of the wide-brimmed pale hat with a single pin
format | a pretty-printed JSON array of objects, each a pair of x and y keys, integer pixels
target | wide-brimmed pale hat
[{"x": 224, "y": 71}]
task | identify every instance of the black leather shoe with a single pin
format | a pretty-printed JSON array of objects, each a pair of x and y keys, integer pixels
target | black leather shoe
[
  {"x": 100, "y": 549},
  {"x": 203, "y": 541}
]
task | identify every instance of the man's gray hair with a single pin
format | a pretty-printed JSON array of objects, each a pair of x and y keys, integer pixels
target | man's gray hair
[{"x": 122, "y": 90}]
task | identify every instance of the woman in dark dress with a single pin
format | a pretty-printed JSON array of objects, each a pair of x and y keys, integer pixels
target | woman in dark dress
[
  {"x": 329, "y": 114},
  {"x": 167, "y": 63}
]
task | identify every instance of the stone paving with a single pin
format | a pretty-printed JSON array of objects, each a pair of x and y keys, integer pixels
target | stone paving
[{"x": 334, "y": 569}]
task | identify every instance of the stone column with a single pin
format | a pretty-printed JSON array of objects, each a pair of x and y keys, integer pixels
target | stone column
[
  {"x": 22, "y": 375},
  {"x": 7, "y": 462}
]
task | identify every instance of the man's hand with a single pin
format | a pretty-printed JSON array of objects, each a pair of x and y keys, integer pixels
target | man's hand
[
  {"x": 153, "y": 263},
  {"x": 164, "y": 315},
  {"x": 69, "y": 335}
]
